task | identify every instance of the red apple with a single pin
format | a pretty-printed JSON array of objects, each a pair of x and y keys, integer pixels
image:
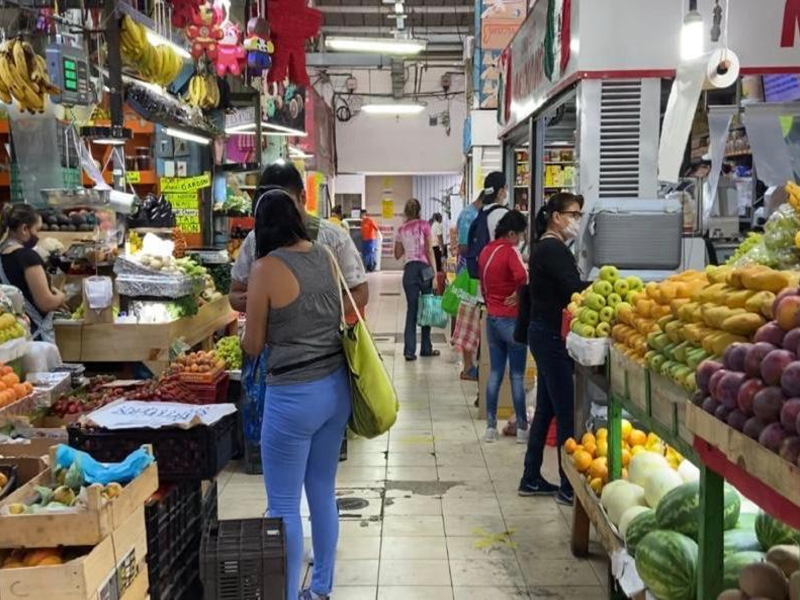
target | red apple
[
  {"x": 770, "y": 333},
  {"x": 705, "y": 371},
  {"x": 767, "y": 404},
  {"x": 756, "y": 354},
  {"x": 744, "y": 399},
  {"x": 772, "y": 436},
  {"x": 733, "y": 358},
  {"x": 728, "y": 388},
  {"x": 774, "y": 364}
]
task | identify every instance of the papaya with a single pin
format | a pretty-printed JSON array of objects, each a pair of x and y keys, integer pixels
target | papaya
[
  {"x": 721, "y": 342},
  {"x": 707, "y": 294},
  {"x": 743, "y": 324},
  {"x": 738, "y": 299},
  {"x": 673, "y": 331},
  {"x": 768, "y": 281},
  {"x": 686, "y": 311},
  {"x": 718, "y": 274},
  {"x": 736, "y": 278},
  {"x": 756, "y": 301}
]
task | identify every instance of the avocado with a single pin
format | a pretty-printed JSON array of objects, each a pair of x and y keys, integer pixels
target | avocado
[{"x": 77, "y": 219}]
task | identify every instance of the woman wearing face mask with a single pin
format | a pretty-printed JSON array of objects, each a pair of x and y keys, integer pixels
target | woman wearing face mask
[
  {"x": 554, "y": 277},
  {"x": 23, "y": 268}
]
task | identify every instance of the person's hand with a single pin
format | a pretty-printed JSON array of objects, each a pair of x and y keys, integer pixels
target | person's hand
[{"x": 511, "y": 300}]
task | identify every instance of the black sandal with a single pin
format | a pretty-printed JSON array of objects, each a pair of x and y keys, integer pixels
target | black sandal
[{"x": 430, "y": 354}]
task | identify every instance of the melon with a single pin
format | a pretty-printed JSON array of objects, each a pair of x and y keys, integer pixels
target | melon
[
  {"x": 658, "y": 483},
  {"x": 622, "y": 499},
  {"x": 771, "y": 532},
  {"x": 629, "y": 515},
  {"x": 609, "y": 490},
  {"x": 667, "y": 563},
  {"x": 679, "y": 509},
  {"x": 734, "y": 563},
  {"x": 639, "y": 527},
  {"x": 688, "y": 471},
  {"x": 643, "y": 464}
]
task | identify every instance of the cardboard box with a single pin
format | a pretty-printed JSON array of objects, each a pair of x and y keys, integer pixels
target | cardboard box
[{"x": 114, "y": 568}]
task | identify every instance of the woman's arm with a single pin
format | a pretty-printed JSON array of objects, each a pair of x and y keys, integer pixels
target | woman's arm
[
  {"x": 45, "y": 299},
  {"x": 429, "y": 251},
  {"x": 258, "y": 301},
  {"x": 399, "y": 251}
]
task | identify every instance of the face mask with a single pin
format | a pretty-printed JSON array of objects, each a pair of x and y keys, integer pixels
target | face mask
[
  {"x": 571, "y": 231},
  {"x": 31, "y": 243}
]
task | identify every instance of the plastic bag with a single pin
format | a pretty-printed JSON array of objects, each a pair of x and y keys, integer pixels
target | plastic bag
[
  {"x": 254, "y": 381},
  {"x": 430, "y": 312},
  {"x": 104, "y": 473}
]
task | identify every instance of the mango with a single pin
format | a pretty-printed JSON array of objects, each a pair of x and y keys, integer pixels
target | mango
[
  {"x": 739, "y": 298},
  {"x": 769, "y": 281},
  {"x": 757, "y": 300},
  {"x": 744, "y": 324}
]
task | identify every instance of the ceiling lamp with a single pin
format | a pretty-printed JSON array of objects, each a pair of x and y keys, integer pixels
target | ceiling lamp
[
  {"x": 396, "y": 46},
  {"x": 107, "y": 136},
  {"x": 396, "y": 109},
  {"x": 692, "y": 45},
  {"x": 186, "y": 135},
  {"x": 267, "y": 128}
]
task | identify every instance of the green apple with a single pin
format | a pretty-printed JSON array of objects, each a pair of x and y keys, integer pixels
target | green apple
[
  {"x": 632, "y": 297},
  {"x": 587, "y": 331},
  {"x": 609, "y": 273},
  {"x": 634, "y": 283},
  {"x": 602, "y": 287},
  {"x": 603, "y": 330},
  {"x": 607, "y": 314},
  {"x": 594, "y": 301},
  {"x": 590, "y": 317},
  {"x": 575, "y": 326},
  {"x": 621, "y": 287},
  {"x": 614, "y": 300}
]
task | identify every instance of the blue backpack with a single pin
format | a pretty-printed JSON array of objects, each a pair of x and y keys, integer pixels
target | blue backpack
[{"x": 479, "y": 238}]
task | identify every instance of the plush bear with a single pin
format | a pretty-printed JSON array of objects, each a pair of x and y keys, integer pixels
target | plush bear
[
  {"x": 230, "y": 55},
  {"x": 205, "y": 32}
]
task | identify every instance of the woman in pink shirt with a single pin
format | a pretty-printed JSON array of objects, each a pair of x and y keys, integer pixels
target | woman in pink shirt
[
  {"x": 414, "y": 243},
  {"x": 502, "y": 273}
]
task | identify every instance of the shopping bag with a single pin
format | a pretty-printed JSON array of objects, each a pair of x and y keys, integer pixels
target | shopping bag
[
  {"x": 463, "y": 289},
  {"x": 467, "y": 332},
  {"x": 430, "y": 313},
  {"x": 254, "y": 380},
  {"x": 374, "y": 399}
]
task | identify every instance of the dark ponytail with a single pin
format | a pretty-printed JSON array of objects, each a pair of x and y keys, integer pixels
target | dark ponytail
[
  {"x": 556, "y": 203},
  {"x": 14, "y": 216}
]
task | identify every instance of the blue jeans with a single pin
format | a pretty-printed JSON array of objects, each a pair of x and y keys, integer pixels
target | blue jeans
[
  {"x": 502, "y": 349},
  {"x": 414, "y": 286},
  {"x": 369, "y": 247},
  {"x": 300, "y": 440},
  {"x": 555, "y": 393}
]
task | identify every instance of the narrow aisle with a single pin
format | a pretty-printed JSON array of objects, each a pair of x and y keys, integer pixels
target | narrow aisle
[{"x": 429, "y": 511}]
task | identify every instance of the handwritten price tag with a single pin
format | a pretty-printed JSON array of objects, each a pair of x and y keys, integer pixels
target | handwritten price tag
[{"x": 185, "y": 184}]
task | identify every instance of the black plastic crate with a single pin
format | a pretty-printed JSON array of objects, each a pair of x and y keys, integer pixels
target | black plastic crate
[
  {"x": 196, "y": 453},
  {"x": 184, "y": 579},
  {"x": 210, "y": 505},
  {"x": 252, "y": 459},
  {"x": 244, "y": 559}
]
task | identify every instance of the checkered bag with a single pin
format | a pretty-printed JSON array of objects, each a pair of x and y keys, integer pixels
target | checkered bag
[{"x": 467, "y": 333}]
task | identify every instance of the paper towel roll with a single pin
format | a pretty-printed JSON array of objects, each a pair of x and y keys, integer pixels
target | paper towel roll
[{"x": 722, "y": 70}]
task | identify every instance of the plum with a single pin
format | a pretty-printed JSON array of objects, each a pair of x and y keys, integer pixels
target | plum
[
  {"x": 770, "y": 333},
  {"x": 713, "y": 383},
  {"x": 727, "y": 389},
  {"x": 790, "y": 379},
  {"x": 737, "y": 419},
  {"x": 791, "y": 340},
  {"x": 744, "y": 399},
  {"x": 733, "y": 358},
  {"x": 772, "y": 436},
  {"x": 767, "y": 404},
  {"x": 705, "y": 370},
  {"x": 753, "y": 427},
  {"x": 756, "y": 354},
  {"x": 710, "y": 405},
  {"x": 774, "y": 364},
  {"x": 789, "y": 413},
  {"x": 722, "y": 413},
  {"x": 790, "y": 448}
]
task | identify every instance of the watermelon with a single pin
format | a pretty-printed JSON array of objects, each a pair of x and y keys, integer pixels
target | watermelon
[
  {"x": 667, "y": 562},
  {"x": 740, "y": 540},
  {"x": 638, "y": 528},
  {"x": 679, "y": 509},
  {"x": 747, "y": 520},
  {"x": 734, "y": 564},
  {"x": 772, "y": 532}
]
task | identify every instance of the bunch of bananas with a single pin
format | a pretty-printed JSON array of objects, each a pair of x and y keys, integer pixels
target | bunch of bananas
[
  {"x": 203, "y": 92},
  {"x": 793, "y": 195},
  {"x": 23, "y": 76},
  {"x": 157, "y": 64}
]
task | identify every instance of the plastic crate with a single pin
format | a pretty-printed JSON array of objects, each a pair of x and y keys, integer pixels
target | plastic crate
[
  {"x": 252, "y": 459},
  {"x": 210, "y": 505},
  {"x": 244, "y": 560},
  {"x": 184, "y": 579},
  {"x": 210, "y": 393},
  {"x": 199, "y": 452}
]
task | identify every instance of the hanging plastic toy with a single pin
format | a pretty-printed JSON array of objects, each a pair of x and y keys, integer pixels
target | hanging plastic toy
[
  {"x": 258, "y": 46},
  {"x": 205, "y": 32},
  {"x": 231, "y": 55}
]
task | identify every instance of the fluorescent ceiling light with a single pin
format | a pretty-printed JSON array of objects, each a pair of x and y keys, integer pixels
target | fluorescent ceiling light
[
  {"x": 185, "y": 135},
  {"x": 393, "y": 109},
  {"x": 692, "y": 34},
  {"x": 398, "y": 8},
  {"x": 295, "y": 152},
  {"x": 376, "y": 45},
  {"x": 266, "y": 129},
  {"x": 159, "y": 40}
]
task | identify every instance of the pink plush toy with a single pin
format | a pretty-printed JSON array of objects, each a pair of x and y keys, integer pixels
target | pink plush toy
[{"x": 231, "y": 55}]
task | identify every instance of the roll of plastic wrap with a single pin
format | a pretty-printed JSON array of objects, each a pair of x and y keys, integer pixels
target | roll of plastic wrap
[{"x": 722, "y": 69}]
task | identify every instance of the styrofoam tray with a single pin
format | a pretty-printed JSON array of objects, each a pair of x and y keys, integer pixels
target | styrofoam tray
[{"x": 589, "y": 352}]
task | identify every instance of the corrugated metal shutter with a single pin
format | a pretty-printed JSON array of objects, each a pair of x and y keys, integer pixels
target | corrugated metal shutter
[
  {"x": 620, "y": 138},
  {"x": 492, "y": 159},
  {"x": 430, "y": 190}
]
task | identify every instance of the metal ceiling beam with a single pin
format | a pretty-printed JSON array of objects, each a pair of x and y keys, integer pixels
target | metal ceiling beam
[
  {"x": 377, "y": 30},
  {"x": 367, "y": 61},
  {"x": 410, "y": 10}
]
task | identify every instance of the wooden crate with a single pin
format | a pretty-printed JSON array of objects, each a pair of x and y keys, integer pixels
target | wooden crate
[
  {"x": 118, "y": 561},
  {"x": 618, "y": 377},
  {"x": 680, "y": 414},
  {"x": 33, "y": 447},
  {"x": 28, "y": 467},
  {"x": 86, "y": 528},
  {"x": 638, "y": 383},
  {"x": 664, "y": 398}
]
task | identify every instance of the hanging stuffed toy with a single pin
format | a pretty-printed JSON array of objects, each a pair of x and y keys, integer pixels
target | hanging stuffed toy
[
  {"x": 230, "y": 55},
  {"x": 258, "y": 46},
  {"x": 205, "y": 32},
  {"x": 184, "y": 11},
  {"x": 291, "y": 23}
]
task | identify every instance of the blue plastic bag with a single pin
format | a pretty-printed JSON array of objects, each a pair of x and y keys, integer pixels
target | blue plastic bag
[
  {"x": 96, "y": 472},
  {"x": 254, "y": 380}
]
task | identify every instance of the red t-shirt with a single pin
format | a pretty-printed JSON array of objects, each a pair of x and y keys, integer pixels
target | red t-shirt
[
  {"x": 502, "y": 272},
  {"x": 369, "y": 229}
]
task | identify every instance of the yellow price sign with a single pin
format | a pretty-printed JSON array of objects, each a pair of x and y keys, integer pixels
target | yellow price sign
[
  {"x": 185, "y": 184},
  {"x": 387, "y": 208},
  {"x": 133, "y": 176}
]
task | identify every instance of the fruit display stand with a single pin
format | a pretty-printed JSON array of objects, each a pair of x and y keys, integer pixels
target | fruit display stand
[{"x": 146, "y": 343}]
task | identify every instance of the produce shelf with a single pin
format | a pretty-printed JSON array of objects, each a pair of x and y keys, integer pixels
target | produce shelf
[{"x": 767, "y": 479}]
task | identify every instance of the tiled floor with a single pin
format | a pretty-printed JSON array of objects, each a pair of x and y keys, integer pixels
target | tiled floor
[{"x": 443, "y": 519}]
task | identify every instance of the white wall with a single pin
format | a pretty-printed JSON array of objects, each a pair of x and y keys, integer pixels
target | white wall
[
  {"x": 349, "y": 183},
  {"x": 388, "y": 144}
]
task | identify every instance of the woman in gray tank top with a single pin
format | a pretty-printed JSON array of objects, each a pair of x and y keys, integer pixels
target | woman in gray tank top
[{"x": 293, "y": 306}]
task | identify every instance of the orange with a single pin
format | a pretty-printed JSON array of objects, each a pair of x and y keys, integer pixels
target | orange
[
  {"x": 588, "y": 438},
  {"x": 599, "y": 469},
  {"x": 637, "y": 437},
  {"x": 597, "y": 485},
  {"x": 627, "y": 427},
  {"x": 582, "y": 460},
  {"x": 10, "y": 379},
  {"x": 624, "y": 473},
  {"x": 626, "y": 457},
  {"x": 637, "y": 450},
  {"x": 570, "y": 445},
  {"x": 602, "y": 447},
  {"x": 591, "y": 448},
  {"x": 28, "y": 387},
  {"x": 20, "y": 391},
  {"x": 602, "y": 434}
]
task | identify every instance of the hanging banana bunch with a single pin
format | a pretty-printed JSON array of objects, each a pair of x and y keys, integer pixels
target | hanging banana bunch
[
  {"x": 157, "y": 64},
  {"x": 23, "y": 76},
  {"x": 203, "y": 91}
]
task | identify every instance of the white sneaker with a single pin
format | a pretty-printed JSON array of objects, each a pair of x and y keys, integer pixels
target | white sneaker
[
  {"x": 523, "y": 435},
  {"x": 491, "y": 435}
]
